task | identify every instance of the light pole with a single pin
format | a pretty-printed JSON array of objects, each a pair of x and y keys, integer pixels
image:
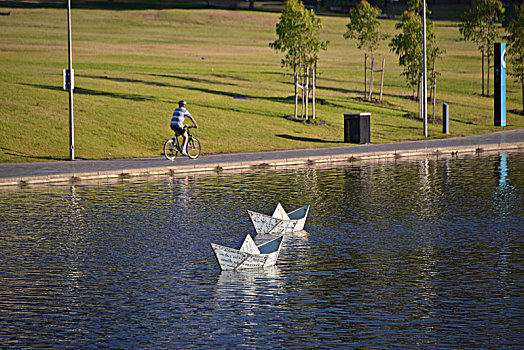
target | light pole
[
  {"x": 424, "y": 72},
  {"x": 70, "y": 83}
]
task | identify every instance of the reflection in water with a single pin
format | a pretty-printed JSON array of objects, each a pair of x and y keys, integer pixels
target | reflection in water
[
  {"x": 504, "y": 200},
  {"x": 247, "y": 285},
  {"x": 402, "y": 254},
  {"x": 504, "y": 193},
  {"x": 244, "y": 290},
  {"x": 503, "y": 167},
  {"x": 73, "y": 237}
]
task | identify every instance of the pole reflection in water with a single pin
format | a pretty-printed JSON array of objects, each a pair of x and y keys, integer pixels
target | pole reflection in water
[
  {"x": 397, "y": 254},
  {"x": 73, "y": 236},
  {"x": 505, "y": 197}
]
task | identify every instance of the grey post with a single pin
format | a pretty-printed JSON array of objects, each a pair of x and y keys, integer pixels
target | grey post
[{"x": 445, "y": 118}]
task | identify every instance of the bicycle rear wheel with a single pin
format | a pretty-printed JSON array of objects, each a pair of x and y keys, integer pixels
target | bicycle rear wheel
[
  {"x": 193, "y": 148},
  {"x": 170, "y": 150}
]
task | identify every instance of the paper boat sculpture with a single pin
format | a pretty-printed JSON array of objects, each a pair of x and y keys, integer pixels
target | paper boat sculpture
[
  {"x": 249, "y": 255},
  {"x": 280, "y": 222}
]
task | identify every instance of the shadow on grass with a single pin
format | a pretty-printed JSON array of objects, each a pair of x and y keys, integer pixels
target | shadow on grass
[
  {"x": 222, "y": 93},
  {"x": 340, "y": 90},
  {"x": 237, "y": 96},
  {"x": 305, "y": 139},
  {"x": 193, "y": 80},
  {"x": 82, "y": 91},
  {"x": 141, "y": 98},
  {"x": 397, "y": 126},
  {"x": 14, "y": 153},
  {"x": 126, "y": 80},
  {"x": 462, "y": 121},
  {"x": 133, "y": 97}
]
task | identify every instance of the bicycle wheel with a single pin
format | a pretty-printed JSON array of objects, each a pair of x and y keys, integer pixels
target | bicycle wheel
[
  {"x": 170, "y": 150},
  {"x": 193, "y": 148}
]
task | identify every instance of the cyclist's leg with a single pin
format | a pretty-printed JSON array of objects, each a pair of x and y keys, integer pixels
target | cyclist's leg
[
  {"x": 175, "y": 133},
  {"x": 184, "y": 145}
]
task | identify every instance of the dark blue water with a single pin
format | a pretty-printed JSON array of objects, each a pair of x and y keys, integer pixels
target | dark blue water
[{"x": 404, "y": 254}]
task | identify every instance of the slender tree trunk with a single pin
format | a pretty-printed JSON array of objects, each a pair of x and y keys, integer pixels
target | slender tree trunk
[
  {"x": 433, "y": 77},
  {"x": 382, "y": 79},
  {"x": 302, "y": 85},
  {"x": 522, "y": 95},
  {"x": 306, "y": 86},
  {"x": 434, "y": 94},
  {"x": 313, "y": 111},
  {"x": 482, "y": 73},
  {"x": 371, "y": 77},
  {"x": 295, "y": 76},
  {"x": 488, "y": 71},
  {"x": 365, "y": 75}
]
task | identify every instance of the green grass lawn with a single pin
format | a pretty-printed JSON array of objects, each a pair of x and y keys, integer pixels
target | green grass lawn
[{"x": 132, "y": 66}]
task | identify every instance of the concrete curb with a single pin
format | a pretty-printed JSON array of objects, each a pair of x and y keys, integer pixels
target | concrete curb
[{"x": 253, "y": 164}]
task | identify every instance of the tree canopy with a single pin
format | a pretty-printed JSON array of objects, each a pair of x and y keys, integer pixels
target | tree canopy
[
  {"x": 364, "y": 26},
  {"x": 479, "y": 24},
  {"x": 408, "y": 44}
]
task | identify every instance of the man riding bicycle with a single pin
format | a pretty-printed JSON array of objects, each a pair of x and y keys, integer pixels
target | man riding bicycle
[{"x": 177, "y": 123}]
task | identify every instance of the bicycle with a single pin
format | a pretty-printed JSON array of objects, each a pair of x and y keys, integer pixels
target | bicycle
[{"x": 173, "y": 146}]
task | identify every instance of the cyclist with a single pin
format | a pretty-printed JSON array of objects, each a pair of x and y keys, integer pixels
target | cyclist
[{"x": 177, "y": 123}]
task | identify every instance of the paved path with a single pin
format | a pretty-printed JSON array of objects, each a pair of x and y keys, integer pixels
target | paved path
[{"x": 41, "y": 172}]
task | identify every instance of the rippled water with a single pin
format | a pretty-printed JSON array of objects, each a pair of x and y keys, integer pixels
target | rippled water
[{"x": 412, "y": 254}]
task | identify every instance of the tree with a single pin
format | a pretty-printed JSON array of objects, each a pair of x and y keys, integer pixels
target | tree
[
  {"x": 298, "y": 34},
  {"x": 408, "y": 45},
  {"x": 364, "y": 27},
  {"x": 312, "y": 46},
  {"x": 289, "y": 30},
  {"x": 516, "y": 48},
  {"x": 479, "y": 24}
]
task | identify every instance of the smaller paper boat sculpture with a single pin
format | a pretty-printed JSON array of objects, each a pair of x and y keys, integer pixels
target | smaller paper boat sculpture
[
  {"x": 280, "y": 222},
  {"x": 249, "y": 255}
]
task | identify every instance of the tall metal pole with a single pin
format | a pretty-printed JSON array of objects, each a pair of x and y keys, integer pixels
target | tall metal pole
[
  {"x": 70, "y": 86},
  {"x": 424, "y": 73}
]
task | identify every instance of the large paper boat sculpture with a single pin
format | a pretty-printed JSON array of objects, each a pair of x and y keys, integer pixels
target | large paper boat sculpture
[
  {"x": 249, "y": 255},
  {"x": 280, "y": 222}
]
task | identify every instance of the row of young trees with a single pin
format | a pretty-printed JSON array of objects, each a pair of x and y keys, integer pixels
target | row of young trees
[{"x": 299, "y": 37}]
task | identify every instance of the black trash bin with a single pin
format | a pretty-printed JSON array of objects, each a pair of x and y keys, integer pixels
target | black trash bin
[{"x": 357, "y": 127}]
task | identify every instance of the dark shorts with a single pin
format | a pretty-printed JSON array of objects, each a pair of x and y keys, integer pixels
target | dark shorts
[{"x": 178, "y": 130}]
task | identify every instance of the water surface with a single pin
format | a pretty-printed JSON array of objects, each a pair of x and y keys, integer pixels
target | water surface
[{"x": 400, "y": 254}]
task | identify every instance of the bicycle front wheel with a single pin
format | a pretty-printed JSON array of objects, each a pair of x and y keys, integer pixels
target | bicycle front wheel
[
  {"x": 193, "y": 148},
  {"x": 170, "y": 150}
]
